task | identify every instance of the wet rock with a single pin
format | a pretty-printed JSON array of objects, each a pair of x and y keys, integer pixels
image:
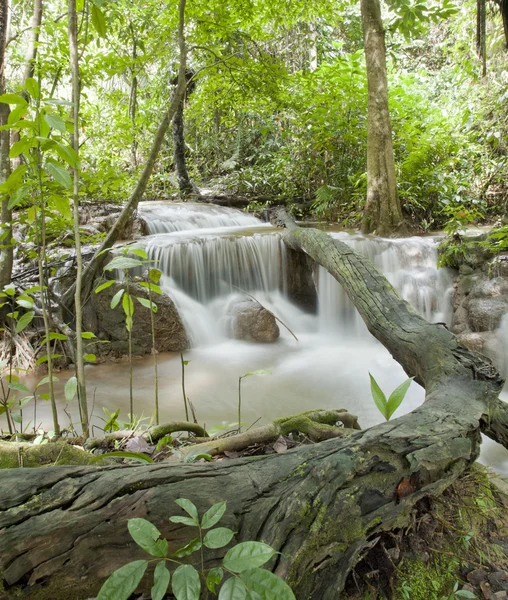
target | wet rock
[
  {"x": 477, "y": 576},
  {"x": 498, "y": 266},
  {"x": 490, "y": 288},
  {"x": 485, "y": 314},
  {"x": 499, "y": 581},
  {"x": 170, "y": 334},
  {"x": 252, "y": 322},
  {"x": 460, "y": 318}
]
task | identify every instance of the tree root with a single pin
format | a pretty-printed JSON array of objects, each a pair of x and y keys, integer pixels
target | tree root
[{"x": 317, "y": 425}]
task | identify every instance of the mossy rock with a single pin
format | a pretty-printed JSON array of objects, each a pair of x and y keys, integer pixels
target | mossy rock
[{"x": 14, "y": 455}]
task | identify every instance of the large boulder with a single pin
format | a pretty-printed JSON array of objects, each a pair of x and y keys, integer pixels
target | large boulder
[
  {"x": 109, "y": 324},
  {"x": 251, "y": 321}
]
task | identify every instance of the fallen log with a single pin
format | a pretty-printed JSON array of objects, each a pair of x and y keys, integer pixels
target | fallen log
[{"x": 63, "y": 530}]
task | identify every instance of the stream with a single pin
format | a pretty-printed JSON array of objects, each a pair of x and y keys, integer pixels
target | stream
[{"x": 208, "y": 254}]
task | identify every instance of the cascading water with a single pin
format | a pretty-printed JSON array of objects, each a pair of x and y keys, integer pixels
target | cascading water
[{"x": 208, "y": 256}]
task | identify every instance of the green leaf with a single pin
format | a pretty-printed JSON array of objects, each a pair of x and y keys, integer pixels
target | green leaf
[
  {"x": 19, "y": 387},
  {"x": 396, "y": 397},
  {"x": 161, "y": 578},
  {"x": 258, "y": 372},
  {"x": 32, "y": 87},
  {"x": 46, "y": 379},
  {"x": 379, "y": 397},
  {"x": 88, "y": 335},
  {"x": 247, "y": 555},
  {"x": 116, "y": 298},
  {"x": 155, "y": 275},
  {"x": 267, "y": 585},
  {"x": 70, "y": 389},
  {"x": 138, "y": 252},
  {"x": 104, "y": 286},
  {"x": 152, "y": 287},
  {"x": 99, "y": 21},
  {"x": 128, "y": 308},
  {"x": 20, "y": 146},
  {"x": 218, "y": 538},
  {"x": 213, "y": 578},
  {"x": 146, "y": 535},
  {"x": 59, "y": 174},
  {"x": 465, "y": 594},
  {"x": 46, "y": 358},
  {"x": 147, "y": 304},
  {"x": 24, "y": 321},
  {"x": 186, "y": 584},
  {"x": 25, "y": 301},
  {"x": 90, "y": 357},
  {"x": 12, "y": 99},
  {"x": 213, "y": 515},
  {"x": 189, "y": 548},
  {"x": 183, "y": 520},
  {"x": 55, "y": 122},
  {"x": 54, "y": 336},
  {"x": 16, "y": 114},
  {"x": 189, "y": 508},
  {"x": 122, "y": 583},
  {"x": 61, "y": 205},
  {"x": 15, "y": 178},
  {"x": 123, "y": 262},
  {"x": 144, "y": 458},
  {"x": 18, "y": 196},
  {"x": 233, "y": 589}
]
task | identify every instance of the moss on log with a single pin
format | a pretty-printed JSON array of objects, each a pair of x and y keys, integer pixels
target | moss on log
[
  {"x": 25, "y": 455},
  {"x": 63, "y": 530}
]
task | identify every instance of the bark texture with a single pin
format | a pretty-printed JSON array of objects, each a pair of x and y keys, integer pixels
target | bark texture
[
  {"x": 184, "y": 182},
  {"x": 62, "y": 531},
  {"x": 382, "y": 213}
]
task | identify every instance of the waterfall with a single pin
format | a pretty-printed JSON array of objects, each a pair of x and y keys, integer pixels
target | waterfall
[{"x": 208, "y": 254}]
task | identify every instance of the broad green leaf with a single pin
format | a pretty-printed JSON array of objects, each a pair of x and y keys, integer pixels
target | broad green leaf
[
  {"x": 54, "y": 336},
  {"x": 12, "y": 99},
  {"x": 59, "y": 174},
  {"x": 18, "y": 196},
  {"x": 138, "y": 252},
  {"x": 46, "y": 358},
  {"x": 116, "y": 298},
  {"x": 379, "y": 397},
  {"x": 10, "y": 289},
  {"x": 155, "y": 275},
  {"x": 247, "y": 555},
  {"x": 24, "y": 321},
  {"x": 104, "y": 286},
  {"x": 90, "y": 357},
  {"x": 138, "y": 457},
  {"x": 55, "y": 122},
  {"x": 61, "y": 205},
  {"x": 146, "y": 535},
  {"x": 147, "y": 304},
  {"x": 19, "y": 387},
  {"x": 218, "y": 538},
  {"x": 267, "y": 585},
  {"x": 15, "y": 178},
  {"x": 396, "y": 397},
  {"x": 152, "y": 287},
  {"x": 233, "y": 589},
  {"x": 88, "y": 335},
  {"x": 70, "y": 389},
  {"x": 186, "y": 584},
  {"x": 122, "y": 583},
  {"x": 183, "y": 521},
  {"x": 99, "y": 21},
  {"x": 213, "y": 578},
  {"x": 123, "y": 262},
  {"x": 128, "y": 305},
  {"x": 213, "y": 515},
  {"x": 32, "y": 87},
  {"x": 189, "y": 508},
  {"x": 189, "y": 548},
  {"x": 46, "y": 379},
  {"x": 18, "y": 147},
  {"x": 161, "y": 578},
  {"x": 67, "y": 154},
  {"x": 25, "y": 301},
  {"x": 15, "y": 115}
]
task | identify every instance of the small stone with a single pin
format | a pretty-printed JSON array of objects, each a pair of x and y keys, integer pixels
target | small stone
[
  {"x": 501, "y": 594},
  {"x": 477, "y": 576},
  {"x": 465, "y": 270},
  {"x": 499, "y": 581}
]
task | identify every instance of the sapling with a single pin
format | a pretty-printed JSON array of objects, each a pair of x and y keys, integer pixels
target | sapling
[
  {"x": 388, "y": 407},
  {"x": 258, "y": 372}
]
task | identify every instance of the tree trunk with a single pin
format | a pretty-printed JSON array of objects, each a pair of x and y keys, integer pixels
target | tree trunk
[
  {"x": 63, "y": 530},
  {"x": 90, "y": 272},
  {"x": 382, "y": 213},
  {"x": 78, "y": 305},
  {"x": 503, "y": 7},
  {"x": 184, "y": 182},
  {"x": 481, "y": 33},
  {"x": 6, "y": 248}
]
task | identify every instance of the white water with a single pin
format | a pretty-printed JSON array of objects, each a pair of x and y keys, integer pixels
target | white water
[{"x": 206, "y": 254}]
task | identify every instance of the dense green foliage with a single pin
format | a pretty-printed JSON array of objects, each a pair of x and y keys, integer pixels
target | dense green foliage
[{"x": 278, "y": 107}]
